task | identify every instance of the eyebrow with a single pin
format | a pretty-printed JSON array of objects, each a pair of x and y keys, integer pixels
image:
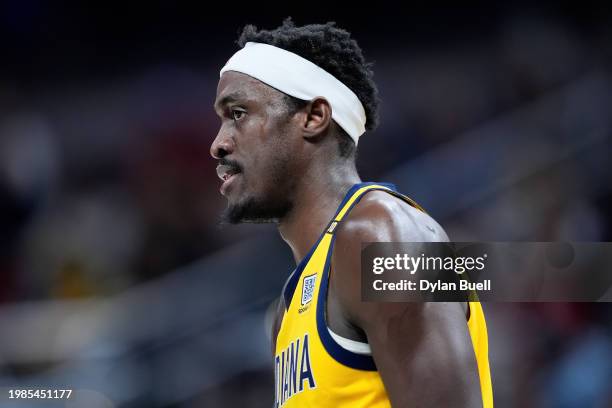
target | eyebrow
[{"x": 231, "y": 97}]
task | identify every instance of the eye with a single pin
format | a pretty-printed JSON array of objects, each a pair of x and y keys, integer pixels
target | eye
[{"x": 237, "y": 114}]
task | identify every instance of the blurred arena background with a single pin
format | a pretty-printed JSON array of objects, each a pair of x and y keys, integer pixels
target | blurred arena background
[{"x": 115, "y": 276}]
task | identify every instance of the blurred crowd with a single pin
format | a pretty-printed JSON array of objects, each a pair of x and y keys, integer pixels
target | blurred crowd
[{"x": 108, "y": 193}]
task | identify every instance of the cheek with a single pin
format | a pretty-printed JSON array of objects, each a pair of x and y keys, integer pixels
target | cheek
[
  {"x": 263, "y": 141},
  {"x": 271, "y": 170},
  {"x": 268, "y": 147}
]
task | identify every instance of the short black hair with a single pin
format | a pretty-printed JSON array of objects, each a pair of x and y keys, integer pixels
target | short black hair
[{"x": 332, "y": 49}]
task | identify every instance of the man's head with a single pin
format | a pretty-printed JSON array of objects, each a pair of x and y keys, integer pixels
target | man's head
[{"x": 268, "y": 139}]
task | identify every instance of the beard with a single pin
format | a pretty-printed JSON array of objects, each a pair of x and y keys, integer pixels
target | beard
[
  {"x": 256, "y": 211},
  {"x": 277, "y": 201},
  {"x": 268, "y": 207}
]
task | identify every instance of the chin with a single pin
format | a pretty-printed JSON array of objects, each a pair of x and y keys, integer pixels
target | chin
[{"x": 253, "y": 210}]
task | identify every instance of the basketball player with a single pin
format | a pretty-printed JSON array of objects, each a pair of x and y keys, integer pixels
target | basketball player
[{"x": 293, "y": 104}]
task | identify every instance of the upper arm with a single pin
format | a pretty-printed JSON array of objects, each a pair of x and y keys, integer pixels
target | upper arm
[
  {"x": 422, "y": 350},
  {"x": 423, "y": 353}
]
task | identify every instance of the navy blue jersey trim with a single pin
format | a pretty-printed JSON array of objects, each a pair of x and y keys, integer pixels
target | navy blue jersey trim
[
  {"x": 297, "y": 272},
  {"x": 341, "y": 355},
  {"x": 294, "y": 278},
  {"x": 389, "y": 186},
  {"x": 337, "y": 352}
]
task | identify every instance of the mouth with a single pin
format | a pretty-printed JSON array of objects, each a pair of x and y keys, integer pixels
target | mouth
[{"x": 227, "y": 174}]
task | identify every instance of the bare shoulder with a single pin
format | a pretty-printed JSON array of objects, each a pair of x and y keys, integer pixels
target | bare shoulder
[
  {"x": 405, "y": 337},
  {"x": 378, "y": 217},
  {"x": 382, "y": 217}
]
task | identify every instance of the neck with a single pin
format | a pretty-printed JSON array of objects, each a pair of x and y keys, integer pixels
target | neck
[{"x": 316, "y": 198}]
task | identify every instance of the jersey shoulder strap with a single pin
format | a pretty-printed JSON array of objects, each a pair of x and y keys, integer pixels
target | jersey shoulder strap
[
  {"x": 357, "y": 192},
  {"x": 352, "y": 197},
  {"x": 332, "y": 347}
]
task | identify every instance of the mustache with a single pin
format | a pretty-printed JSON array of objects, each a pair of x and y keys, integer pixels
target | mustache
[{"x": 234, "y": 165}]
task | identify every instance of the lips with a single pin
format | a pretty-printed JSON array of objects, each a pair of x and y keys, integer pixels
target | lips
[
  {"x": 227, "y": 174},
  {"x": 225, "y": 171}
]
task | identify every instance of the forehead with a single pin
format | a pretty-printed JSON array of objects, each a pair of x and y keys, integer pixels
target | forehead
[{"x": 237, "y": 85}]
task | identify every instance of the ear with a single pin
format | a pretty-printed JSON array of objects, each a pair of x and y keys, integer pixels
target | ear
[{"x": 318, "y": 117}]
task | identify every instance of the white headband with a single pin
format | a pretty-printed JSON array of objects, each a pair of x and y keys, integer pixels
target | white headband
[{"x": 300, "y": 78}]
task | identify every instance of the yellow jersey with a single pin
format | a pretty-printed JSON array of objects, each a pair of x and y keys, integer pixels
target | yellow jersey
[{"x": 311, "y": 368}]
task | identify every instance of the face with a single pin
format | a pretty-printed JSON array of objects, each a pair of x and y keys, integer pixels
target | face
[{"x": 257, "y": 148}]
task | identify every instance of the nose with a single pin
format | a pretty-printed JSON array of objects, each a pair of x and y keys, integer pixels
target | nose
[{"x": 222, "y": 146}]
